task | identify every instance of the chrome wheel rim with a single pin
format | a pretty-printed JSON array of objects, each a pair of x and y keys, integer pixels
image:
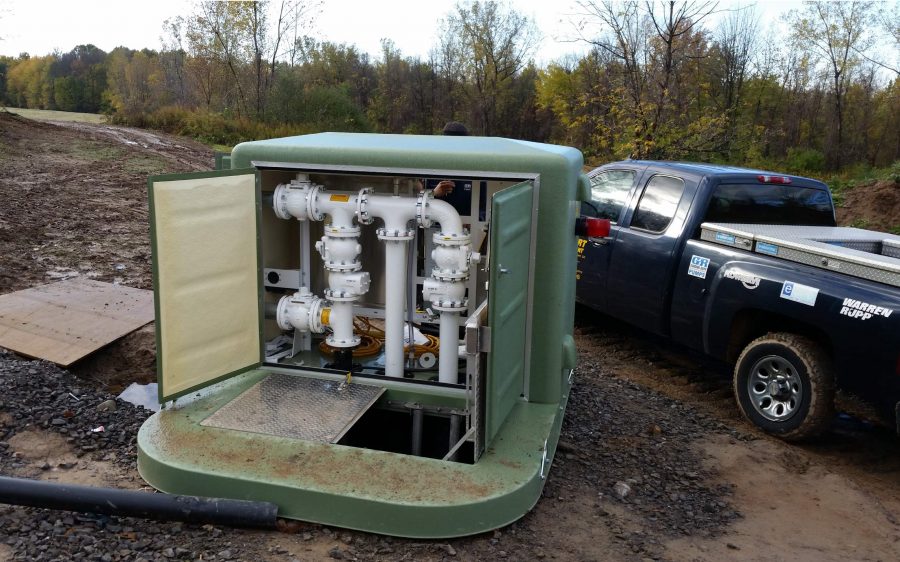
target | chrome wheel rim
[{"x": 775, "y": 388}]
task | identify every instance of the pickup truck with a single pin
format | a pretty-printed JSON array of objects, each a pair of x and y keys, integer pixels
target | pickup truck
[{"x": 749, "y": 267}]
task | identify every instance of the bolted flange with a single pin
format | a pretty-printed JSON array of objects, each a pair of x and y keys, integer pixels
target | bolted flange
[
  {"x": 363, "y": 216},
  {"x": 395, "y": 235}
]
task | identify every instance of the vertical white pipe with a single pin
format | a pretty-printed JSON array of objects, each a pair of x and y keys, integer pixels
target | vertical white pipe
[
  {"x": 448, "y": 363},
  {"x": 395, "y": 294},
  {"x": 341, "y": 323}
]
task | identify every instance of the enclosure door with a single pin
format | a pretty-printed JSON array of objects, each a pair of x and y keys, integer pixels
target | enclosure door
[
  {"x": 206, "y": 277},
  {"x": 510, "y": 255}
]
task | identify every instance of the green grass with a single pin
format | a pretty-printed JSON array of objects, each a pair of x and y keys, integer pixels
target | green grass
[{"x": 47, "y": 115}]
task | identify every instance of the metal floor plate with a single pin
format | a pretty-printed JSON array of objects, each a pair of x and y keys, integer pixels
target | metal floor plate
[{"x": 297, "y": 407}]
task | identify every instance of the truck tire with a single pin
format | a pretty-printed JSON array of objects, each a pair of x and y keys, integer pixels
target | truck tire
[{"x": 784, "y": 384}]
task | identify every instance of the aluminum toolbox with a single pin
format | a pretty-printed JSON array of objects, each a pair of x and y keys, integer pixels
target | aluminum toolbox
[{"x": 860, "y": 253}]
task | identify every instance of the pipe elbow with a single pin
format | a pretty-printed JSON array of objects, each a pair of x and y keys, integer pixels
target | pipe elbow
[{"x": 445, "y": 215}]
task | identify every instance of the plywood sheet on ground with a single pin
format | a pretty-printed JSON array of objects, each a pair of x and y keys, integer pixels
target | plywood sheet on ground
[{"x": 63, "y": 322}]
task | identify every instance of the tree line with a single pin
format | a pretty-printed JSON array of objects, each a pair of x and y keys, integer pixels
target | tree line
[{"x": 661, "y": 79}]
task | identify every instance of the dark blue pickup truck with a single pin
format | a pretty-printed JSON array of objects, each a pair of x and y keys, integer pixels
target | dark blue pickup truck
[{"x": 749, "y": 267}]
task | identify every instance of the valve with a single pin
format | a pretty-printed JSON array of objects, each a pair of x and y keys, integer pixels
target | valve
[{"x": 302, "y": 311}]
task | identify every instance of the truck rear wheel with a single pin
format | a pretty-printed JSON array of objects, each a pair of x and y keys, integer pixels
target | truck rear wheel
[{"x": 784, "y": 384}]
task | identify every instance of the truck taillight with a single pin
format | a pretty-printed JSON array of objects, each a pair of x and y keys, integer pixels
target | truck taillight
[
  {"x": 592, "y": 227},
  {"x": 783, "y": 180}
]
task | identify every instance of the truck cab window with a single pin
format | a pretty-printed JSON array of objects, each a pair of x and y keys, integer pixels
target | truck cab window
[
  {"x": 658, "y": 204},
  {"x": 609, "y": 192},
  {"x": 748, "y": 203}
]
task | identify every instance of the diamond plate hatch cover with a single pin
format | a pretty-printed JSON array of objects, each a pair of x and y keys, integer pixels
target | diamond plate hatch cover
[{"x": 297, "y": 407}]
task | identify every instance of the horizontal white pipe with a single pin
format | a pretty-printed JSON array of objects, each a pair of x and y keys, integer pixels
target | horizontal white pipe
[{"x": 396, "y": 212}]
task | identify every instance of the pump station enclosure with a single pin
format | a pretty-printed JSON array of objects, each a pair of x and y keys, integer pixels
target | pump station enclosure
[{"x": 288, "y": 288}]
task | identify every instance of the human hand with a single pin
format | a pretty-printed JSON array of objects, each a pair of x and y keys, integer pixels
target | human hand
[{"x": 444, "y": 188}]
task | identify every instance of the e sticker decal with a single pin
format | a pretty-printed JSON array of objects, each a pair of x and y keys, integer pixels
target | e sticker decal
[
  {"x": 699, "y": 266},
  {"x": 804, "y": 294}
]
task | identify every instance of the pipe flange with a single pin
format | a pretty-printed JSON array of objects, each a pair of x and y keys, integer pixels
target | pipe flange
[
  {"x": 450, "y": 306},
  {"x": 362, "y": 206},
  {"x": 312, "y": 203},
  {"x": 451, "y": 239},
  {"x": 352, "y": 342},
  {"x": 340, "y": 296},
  {"x": 449, "y": 274},
  {"x": 332, "y": 231},
  {"x": 315, "y": 316},
  {"x": 279, "y": 202},
  {"x": 342, "y": 267},
  {"x": 422, "y": 208},
  {"x": 281, "y": 317},
  {"x": 395, "y": 235}
]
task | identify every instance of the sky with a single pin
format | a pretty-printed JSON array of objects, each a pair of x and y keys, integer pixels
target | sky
[{"x": 39, "y": 27}]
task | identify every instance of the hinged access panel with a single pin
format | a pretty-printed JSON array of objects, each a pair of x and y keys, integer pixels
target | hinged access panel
[
  {"x": 510, "y": 255},
  {"x": 204, "y": 232}
]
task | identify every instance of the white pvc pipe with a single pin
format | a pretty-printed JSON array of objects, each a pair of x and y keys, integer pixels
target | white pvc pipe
[
  {"x": 444, "y": 214},
  {"x": 448, "y": 362},
  {"x": 395, "y": 295},
  {"x": 340, "y": 211},
  {"x": 341, "y": 323},
  {"x": 396, "y": 212}
]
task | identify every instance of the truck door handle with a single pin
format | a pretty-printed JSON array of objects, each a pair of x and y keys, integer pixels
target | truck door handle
[
  {"x": 503, "y": 270},
  {"x": 600, "y": 241}
]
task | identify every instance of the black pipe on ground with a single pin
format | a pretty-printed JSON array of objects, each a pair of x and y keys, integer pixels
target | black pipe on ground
[{"x": 129, "y": 503}]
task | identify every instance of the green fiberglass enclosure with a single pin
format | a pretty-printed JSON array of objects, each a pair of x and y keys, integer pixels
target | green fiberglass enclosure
[{"x": 371, "y": 331}]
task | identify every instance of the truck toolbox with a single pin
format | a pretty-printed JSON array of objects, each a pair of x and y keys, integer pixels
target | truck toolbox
[{"x": 860, "y": 253}]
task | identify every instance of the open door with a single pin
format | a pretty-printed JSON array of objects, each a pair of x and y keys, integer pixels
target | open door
[
  {"x": 510, "y": 251},
  {"x": 206, "y": 277}
]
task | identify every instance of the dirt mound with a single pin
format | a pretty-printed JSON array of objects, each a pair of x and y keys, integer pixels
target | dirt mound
[
  {"x": 127, "y": 360},
  {"x": 74, "y": 204},
  {"x": 875, "y": 206}
]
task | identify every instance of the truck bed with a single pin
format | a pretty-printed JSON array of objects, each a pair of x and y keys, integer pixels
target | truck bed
[{"x": 865, "y": 254}]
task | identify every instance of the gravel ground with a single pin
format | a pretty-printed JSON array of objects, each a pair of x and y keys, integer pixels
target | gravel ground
[
  {"x": 39, "y": 397},
  {"x": 634, "y": 447},
  {"x": 625, "y": 457}
]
